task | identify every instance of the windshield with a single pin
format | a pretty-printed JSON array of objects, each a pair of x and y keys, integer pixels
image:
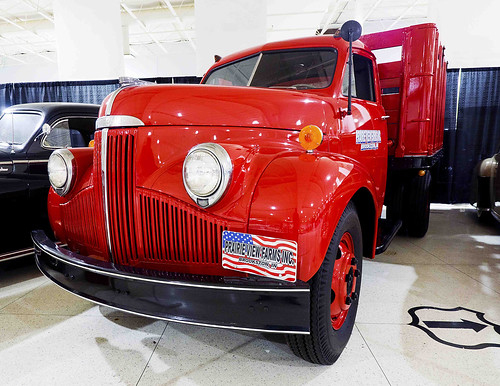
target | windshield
[
  {"x": 302, "y": 69},
  {"x": 17, "y": 128}
]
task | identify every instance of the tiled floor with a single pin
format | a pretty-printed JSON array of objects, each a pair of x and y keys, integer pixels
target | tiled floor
[{"x": 48, "y": 336}]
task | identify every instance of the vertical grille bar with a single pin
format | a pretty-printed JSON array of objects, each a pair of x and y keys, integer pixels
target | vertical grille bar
[{"x": 119, "y": 166}]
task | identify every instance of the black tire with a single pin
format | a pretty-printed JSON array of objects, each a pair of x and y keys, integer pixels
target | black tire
[
  {"x": 417, "y": 207},
  {"x": 324, "y": 344}
]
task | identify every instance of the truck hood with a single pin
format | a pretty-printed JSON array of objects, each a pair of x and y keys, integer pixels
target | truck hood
[{"x": 207, "y": 105}]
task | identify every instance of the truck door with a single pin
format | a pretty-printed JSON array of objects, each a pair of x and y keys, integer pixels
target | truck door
[{"x": 363, "y": 134}]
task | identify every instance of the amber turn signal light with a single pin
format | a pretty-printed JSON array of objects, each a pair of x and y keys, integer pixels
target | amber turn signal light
[
  {"x": 91, "y": 143},
  {"x": 310, "y": 137}
]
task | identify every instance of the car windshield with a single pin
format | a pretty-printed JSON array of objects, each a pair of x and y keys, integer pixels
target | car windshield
[
  {"x": 17, "y": 128},
  {"x": 301, "y": 69}
]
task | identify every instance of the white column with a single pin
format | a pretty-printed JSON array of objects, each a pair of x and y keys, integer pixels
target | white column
[
  {"x": 227, "y": 26},
  {"x": 89, "y": 39}
]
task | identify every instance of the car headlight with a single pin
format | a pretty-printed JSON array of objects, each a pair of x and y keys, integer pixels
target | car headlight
[
  {"x": 60, "y": 168},
  {"x": 206, "y": 173}
]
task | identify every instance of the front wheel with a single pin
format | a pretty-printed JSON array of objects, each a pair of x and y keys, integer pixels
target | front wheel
[{"x": 334, "y": 295}]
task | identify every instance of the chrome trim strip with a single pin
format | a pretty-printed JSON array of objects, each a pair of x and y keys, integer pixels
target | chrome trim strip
[
  {"x": 117, "y": 121},
  {"x": 104, "y": 151},
  {"x": 22, "y": 253},
  {"x": 109, "y": 105},
  {"x": 16, "y": 254},
  {"x": 34, "y": 161},
  {"x": 173, "y": 320},
  {"x": 2, "y": 259}
]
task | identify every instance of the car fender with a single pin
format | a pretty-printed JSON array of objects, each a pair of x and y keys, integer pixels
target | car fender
[{"x": 301, "y": 197}]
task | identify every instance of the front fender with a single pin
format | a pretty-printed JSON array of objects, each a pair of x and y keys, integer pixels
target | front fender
[
  {"x": 301, "y": 197},
  {"x": 82, "y": 180}
]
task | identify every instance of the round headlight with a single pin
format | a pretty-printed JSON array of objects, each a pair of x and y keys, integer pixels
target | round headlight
[
  {"x": 206, "y": 173},
  {"x": 60, "y": 169},
  {"x": 202, "y": 173}
]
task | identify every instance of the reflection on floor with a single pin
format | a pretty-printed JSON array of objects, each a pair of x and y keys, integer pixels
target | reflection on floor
[{"x": 449, "y": 279}]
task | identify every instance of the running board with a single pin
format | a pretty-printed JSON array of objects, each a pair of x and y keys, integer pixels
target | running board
[{"x": 387, "y": 230}]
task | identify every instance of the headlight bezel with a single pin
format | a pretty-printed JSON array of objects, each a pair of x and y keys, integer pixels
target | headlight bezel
[
  {"x": 67, "y": 158},
  {"x": 226, "y": 169}
]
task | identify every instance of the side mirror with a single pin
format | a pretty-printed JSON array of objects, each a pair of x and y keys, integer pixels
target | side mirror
[
  {"x": 45, "y": 128},
  {"x": 350, "y": 32}
]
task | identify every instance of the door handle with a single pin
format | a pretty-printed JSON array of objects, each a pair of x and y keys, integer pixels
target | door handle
[{"x": 385, "y": 117}]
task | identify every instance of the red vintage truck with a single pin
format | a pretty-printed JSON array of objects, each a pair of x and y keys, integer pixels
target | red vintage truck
[{"x": 249, "y": 201}]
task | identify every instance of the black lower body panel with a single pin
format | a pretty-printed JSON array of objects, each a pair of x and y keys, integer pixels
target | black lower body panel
[{"x": 237, "y": 303}]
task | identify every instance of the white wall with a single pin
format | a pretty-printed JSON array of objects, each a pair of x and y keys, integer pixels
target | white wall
[
  {"x": 468, "y": 30},
  {"x": 89, "y": 39},
  {"x": 180, "y": 61},
  {"x": 36, "y": 70},
  {"x": 227, "y": 26}
]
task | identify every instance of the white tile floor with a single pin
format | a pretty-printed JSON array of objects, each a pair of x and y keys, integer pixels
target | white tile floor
[{"x": 48, "y": 336}]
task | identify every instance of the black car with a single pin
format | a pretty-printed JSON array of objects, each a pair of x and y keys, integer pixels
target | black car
[{"x": 28, "y": 135}]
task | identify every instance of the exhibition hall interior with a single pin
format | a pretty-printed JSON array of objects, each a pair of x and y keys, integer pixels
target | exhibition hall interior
[{"x": 264, "y": 192}]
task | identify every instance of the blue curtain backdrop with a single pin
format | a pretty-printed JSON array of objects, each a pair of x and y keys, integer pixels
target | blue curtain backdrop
[
  {"x": 470, "y": 136},
  {"x": 78, "y": 92},
  {"x": 472, "y": 130}
]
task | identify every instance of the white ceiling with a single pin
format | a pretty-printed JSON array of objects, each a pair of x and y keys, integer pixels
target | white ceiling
[{"x": 27, "y": 30}]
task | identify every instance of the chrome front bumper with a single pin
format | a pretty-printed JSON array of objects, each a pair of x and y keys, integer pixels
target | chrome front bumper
[{"x": 237, "y": 303}]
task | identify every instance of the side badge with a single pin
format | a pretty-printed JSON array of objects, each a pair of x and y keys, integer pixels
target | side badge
[{"x": 368, "y": 139}]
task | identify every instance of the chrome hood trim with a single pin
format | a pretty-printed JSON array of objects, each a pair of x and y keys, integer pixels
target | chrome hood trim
[{"x": 110, "y": 121}]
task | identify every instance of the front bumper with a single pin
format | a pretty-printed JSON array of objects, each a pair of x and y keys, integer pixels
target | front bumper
[{"x": 236, "y": 303}]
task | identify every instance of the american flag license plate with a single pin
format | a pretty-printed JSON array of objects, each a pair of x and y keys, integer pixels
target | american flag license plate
[{"x": 260, "y": 255}]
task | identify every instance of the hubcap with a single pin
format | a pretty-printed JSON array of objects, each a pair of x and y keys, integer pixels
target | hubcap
[{"x": 345, "y": 274}]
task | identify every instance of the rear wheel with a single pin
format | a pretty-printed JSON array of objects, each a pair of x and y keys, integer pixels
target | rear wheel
[
  {"x": 418, "y": 205},
  {"x": 334, "y": 295}
]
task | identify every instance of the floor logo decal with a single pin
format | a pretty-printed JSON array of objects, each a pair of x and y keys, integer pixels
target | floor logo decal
[{"x": 457, "y": 327}]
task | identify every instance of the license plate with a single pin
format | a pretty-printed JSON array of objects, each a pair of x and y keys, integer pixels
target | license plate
[{"x": 260, "y": 255}]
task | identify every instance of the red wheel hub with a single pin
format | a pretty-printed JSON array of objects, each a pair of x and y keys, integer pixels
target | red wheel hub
[{"x": 344, "y": 279}]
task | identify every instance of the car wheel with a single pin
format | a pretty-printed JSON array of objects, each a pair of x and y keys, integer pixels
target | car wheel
[
  {"x": 418, "y": 205},
  {"x": 334, "y": 295}
]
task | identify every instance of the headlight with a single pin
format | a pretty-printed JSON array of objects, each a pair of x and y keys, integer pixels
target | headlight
[
  {"x": 60, "y": 168},
  {"x": 206, "y": 173}
]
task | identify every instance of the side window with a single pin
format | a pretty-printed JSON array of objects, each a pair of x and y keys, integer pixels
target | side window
[
  {"x": 62, "y": 135},
  {"x": 363, "y": 83},
  {"x": 17, "y": 128}
]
